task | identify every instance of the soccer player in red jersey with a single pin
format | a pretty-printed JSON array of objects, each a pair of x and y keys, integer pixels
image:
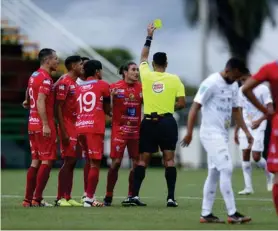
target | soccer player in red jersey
[
  {"x": 126, "y": 102},
  {"x": 41, "y": 128},
  {"x": 66, "y": 104},
  {"x": 93, "y": 98},
  {"x": 268, "y": 72}
]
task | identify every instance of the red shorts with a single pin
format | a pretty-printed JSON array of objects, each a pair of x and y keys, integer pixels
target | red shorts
[
  {"x": 70, "y": 149},
  {"x": 43, "y": 148},
  {"x": 118, "y": 146},
  {"x": 92, "y": 145},
  {"x": 272, "y": 158}
]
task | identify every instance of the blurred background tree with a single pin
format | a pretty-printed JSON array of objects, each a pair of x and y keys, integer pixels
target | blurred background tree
[{"x": 239, "y": 22}]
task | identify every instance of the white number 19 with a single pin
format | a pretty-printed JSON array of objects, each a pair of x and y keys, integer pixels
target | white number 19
[{"x": 86, "y": 105}]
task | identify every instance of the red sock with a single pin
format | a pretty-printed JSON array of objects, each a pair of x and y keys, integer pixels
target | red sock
[
  {"x": 112, "y": 178},
  {"x": 69, "y": 181},
  {"x": 130, "y": 181},
  {"x": 42, "y": 178},
  {"x": 62, "y": 181},
  {"x": 86, "y": 174},
  {"x": 275, "y": 196},
  {"x": 31, "y": 183},
  {"x": 92, "y": 182}
]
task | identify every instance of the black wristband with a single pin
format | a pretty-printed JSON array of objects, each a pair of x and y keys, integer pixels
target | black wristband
[{"x": 148, "y": 43}]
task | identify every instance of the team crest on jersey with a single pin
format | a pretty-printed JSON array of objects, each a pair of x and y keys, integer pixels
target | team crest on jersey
[
  {"x": 62, "y": 87},
  {"x": 131, "y": 96},
  {"x": 35, "y": 74},
  {"x": 158, "y": 87}
]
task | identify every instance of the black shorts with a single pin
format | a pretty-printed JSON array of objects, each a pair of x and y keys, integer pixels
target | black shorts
[{"x": 162, "y": 133}]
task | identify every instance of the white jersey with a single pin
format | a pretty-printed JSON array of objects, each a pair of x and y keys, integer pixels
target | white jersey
[
  {"x": 218, "y": 100},
  {"x": 80, "y": 81},
  {"x": 249, "y": 111}
]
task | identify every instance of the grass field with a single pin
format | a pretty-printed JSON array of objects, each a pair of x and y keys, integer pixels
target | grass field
[{"x": 155, "y": 216}]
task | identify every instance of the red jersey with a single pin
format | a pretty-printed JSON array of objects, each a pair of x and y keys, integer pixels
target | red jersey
[
  {"x": 66, "y": 91},
  {"x": 127, "y": 104},
  {"x": 40, "y": 82},
  {"x": 90, "y": 113},
  {"x": 269, "y": 72}
]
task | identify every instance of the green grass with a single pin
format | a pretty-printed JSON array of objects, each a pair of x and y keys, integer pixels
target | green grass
[{"x": 154, "y": 216}]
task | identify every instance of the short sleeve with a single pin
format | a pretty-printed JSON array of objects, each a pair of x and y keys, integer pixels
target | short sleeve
[
  {"x": 235, "y": 95},
  {"x": 205, "y": 92},
  {"x": 181, "y": 90},
  {"x": 240, "y": 98},
  {"x": 61, "y": 91},
  {"x": 266, "y": 95},
  {"x": 144, "y": 70},
  {"x": 46, "y": 86},
  {"x": 262, "y": 74}
]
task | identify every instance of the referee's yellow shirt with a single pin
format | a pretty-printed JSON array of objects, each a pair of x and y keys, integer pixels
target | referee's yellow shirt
[{"x": 159, "y": 90}]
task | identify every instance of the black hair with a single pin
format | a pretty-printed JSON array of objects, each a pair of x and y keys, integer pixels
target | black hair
[
  {"x": 125, "y": 68},
  {"x": 160, "y": 59},
  {"x": 85, "y": 59},
  {"x": 72, "y": 59},
  {"x": 91, "y": 67},
  {"x": 44, "y": 53},
  {"x": 236, "y": 63}
]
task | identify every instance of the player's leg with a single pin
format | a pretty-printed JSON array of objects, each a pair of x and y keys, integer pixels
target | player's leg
[
  {"x": 94, "y": 143},
  {"x": 168, "y": 137},
  {"x": 86, "y": 170},
  {"x": 117, "y": 151},
  {"x": 47, "y": 154},
  {"x": 275, "y": 191},
  {"x": 247, "y": 173},
  {"x": 257, "y": 149},
  {"x": 209, "y": 192},
  {"x": 31, "y": 173}
]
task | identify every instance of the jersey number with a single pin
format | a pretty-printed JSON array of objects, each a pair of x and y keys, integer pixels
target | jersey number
[
  {"x": 87, "y": 102},
  {"x": 32, "y": 100}
]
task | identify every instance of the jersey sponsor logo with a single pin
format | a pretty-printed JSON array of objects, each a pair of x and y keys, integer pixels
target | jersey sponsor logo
[
  {"x": 62, "y": 87},
  {"x": 131, "y": 111},
  {"x": 72, "y": 87},
  {"x": 158, "y": 87},
  {"x": 84, "y": 123},
  {"x": 47, "y": 82},
  {"x": 34, "y": 120},
  {"x": 35, "y": 74},
  {"x": 86, "y": 87}
]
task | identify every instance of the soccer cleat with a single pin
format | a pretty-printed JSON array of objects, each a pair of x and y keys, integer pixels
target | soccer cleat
[
  {"x": 74, "y": 203},
  {"x": 269, "y": 187},
  {"x": 135, "y": 201},
  {"x": 238, "y": 218},
  {"x": 42, "y": 203},
  {"x": 63, "y": 203},
  {"x": 127, "y": 202},
  {"x": 246, "y": 192},
  {"x": 82, "y": 199},
  {"x": 91, "y": 202},
  {"x": 211, "y": 219},
  {"x": 27, "y": 203},
  {"x": 270, "y": 182},
  {"x": 172, "y": 203},
  {"x": 107, "y": 201}
]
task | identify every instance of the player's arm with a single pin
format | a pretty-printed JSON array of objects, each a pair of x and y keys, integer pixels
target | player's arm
[
  {"x": 237, "y": 115},
  {"x": 147, "y": 45},
  {"x": 204, "y": 93},
  {"x": 26, "y": 102},
  {"x": 107, "y": 100},
  {"x": 41, "y": 105},
  {"x": 180, "y": 97}
]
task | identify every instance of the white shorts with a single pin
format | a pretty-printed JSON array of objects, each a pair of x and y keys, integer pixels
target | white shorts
[
  {"x": 258, "y": 145},
  {"x": 218, "y": 155}
]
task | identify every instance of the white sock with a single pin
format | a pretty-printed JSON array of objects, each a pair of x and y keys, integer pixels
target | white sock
[
  {"x": 262, "y": 164},
  {"x": 227, "y": 191},
  {"x": 247, "y": 174},
  {"x": 209, "y": 191}
]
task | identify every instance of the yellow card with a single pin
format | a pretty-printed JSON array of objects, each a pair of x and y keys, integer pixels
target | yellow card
[{"x": 157, "y": 23}]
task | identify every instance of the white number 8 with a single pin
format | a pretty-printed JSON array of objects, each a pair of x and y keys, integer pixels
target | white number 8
[
  {"x": 32, "y": 100},
  {"x": 87, "y": 105}
]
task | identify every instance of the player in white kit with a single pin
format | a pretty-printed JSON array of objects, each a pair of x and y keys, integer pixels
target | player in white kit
[
  {"x": 217, "y": 99},
  {"x": 255, "y": 121}
]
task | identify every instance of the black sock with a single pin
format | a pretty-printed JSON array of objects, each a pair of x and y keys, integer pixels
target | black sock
[
  {"x": 171, "y": 177},
  {"x": 139, "y": 175}
]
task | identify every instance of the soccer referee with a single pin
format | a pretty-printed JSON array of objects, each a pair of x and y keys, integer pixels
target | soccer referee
[{"x": 163, "y": 93}]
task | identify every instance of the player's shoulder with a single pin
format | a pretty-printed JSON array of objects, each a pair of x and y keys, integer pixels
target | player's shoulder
[
  {"x": 211, "y": 80},
  {"x": 119, "y": 83},
  {"x": 103, "y": 83}
]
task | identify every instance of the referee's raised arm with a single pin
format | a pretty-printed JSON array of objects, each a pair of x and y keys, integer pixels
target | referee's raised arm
[{"x": 163, "y": 93}]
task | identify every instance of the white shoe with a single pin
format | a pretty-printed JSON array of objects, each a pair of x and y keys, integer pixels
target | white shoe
[
  {"x": 91, "y": 202},
  {"x": 246, "y": 192},
  {"x": 270, "y": 183},
  {"x": 45, "y": 204}
]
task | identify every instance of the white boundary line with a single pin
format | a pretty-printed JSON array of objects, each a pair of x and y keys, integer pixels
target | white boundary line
[{"x": 184, "y": 198}]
